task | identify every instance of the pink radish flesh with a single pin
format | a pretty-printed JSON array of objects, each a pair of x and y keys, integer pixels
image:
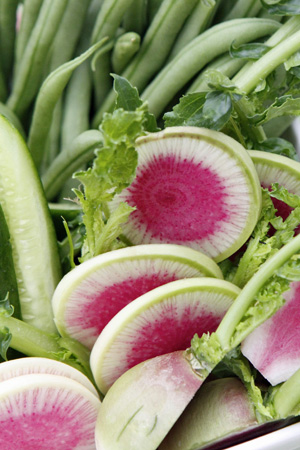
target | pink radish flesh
[
  {"x": 274, "y": 347},
  {"x": 46, "y": 417},
  {"x": 182, "y": 208},
  {"x": 100, "y": 297}
]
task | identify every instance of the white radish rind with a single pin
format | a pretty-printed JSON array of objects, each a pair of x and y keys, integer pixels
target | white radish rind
[
  {"x": 33, "y": 240},
  {"x": 272, "y": 168},
  {"x": 41, "y": 411},
  {"x": 161, "y": 321},
  {"x": 193, "y": 187},
  {"x": 274, "y": 347},
  {"x": 221, "y": 409},
  {"x": 91, "y": 294},
  {"x": 143, "y": 404},
  {"x": 35, "y": 365}
]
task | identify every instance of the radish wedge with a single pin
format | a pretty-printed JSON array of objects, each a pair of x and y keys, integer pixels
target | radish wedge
[
  {"x": 90, "y": 295},
  {"x": 221, "y": 409},
  {"x": 161, "y": 321},
  {"x": 25, "y": 366},
  {"x": 274, "y": 347},
  {"x": 142, "y": 405},
  {"x": 194, "y": 187},
  {"x": 279, "y": 169},
  {"x": 41, "y": 411}
]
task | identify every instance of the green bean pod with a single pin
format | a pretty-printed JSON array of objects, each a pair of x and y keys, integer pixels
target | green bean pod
[
  {"x": 135, "y": 18},
  {"x": 8, "y": 15},
  {"x": 29, "y": 75},
  {"x": 32, "y": 236},
  {"x": 13, "y": 119},
  {"x": 48, "y": 96},
  {"x": 152, "y": 55},
  {"x": 125, "y": 48},
  {"x": 153, "y": 7},
  {"x": 198, "y": 53},
  {"x": 196, "y": 23},
  {"x": 69, "y": 161},
  {"x": 244, "y": 8},
  {"x": 3, "y": 87},
  {"x": 68, "y": 33},
  {"x": 52, "y": 144},
  {"x": 30, "y": 12}
]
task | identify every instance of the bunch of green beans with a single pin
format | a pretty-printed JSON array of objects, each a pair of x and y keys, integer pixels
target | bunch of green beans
[{"x": 57, "y": 56}]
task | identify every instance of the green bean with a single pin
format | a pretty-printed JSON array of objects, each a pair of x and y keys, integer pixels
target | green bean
[
  {"x": 196, "y": 23},
  {"x": 48, "y": 96},
  {"x": 30, "y": 12},
  {"x": 198, "y": 53},
  {"x": 125, "y": 48},
  {"x": 14, "y": 120},
  {"x": 244, "y": 8},
  {"x": 3, "y": 87},
  {"x": 107, "y": 23},
  {"x": 135, "y": 18},
  {"x": 8, "y": 9},
  {"x": 28, "y": 77},
  {"x": 153, "y": 7},
  {"x": 68, "y": 33},
  {"x": 225, "y": 64},
  {"x": 52, "y": 143},
  {"x": 69, "y": 160},
  {"x": 152, "y": 55}
]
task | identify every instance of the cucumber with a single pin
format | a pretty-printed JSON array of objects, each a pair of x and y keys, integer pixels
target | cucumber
[{"x": 32, "y": 236}]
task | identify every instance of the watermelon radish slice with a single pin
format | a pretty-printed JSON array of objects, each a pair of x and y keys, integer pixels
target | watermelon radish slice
[
  {"x": 42, "y": 411},
  {"x": 194, "y": 187},
  {"x": 90, "y": 295},
  {"x": 221, "y": 409},
  {"x": 272, "y": 168},
  {"x": 161, "y": 321},
  {"x": 26, "y": 366},
  {"x": 142, "y": 405},
  {"x": 274, "y": 347}
]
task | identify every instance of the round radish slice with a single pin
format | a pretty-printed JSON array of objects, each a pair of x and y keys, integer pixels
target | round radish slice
[
  {"x": 161, "y": 321},
  {"x": 194, "y": 187},
  {"x": 29, "y": 365},
  {"x": 279, "y": 169},
  {"x": 41, "y": 411},
  {"x": 89, "y": 296},
  {"x": 274, "y": 347}
]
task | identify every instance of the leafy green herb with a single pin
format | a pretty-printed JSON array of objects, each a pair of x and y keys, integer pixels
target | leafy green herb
[
  {"x": 5, "y": 339},
  {"x": 278, "y": 146},
  {"x": 251, "y": 51},
  {"x": 282, "y": 7}
]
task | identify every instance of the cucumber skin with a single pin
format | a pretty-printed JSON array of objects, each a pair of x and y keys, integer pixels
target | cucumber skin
[{"x": 33, "y": 240}]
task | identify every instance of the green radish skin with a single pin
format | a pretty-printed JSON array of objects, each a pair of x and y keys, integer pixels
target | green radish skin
[
  {"x": 221, "y": 408},
  {"x": 161, "y": 321},
  {"x": 194, "y": 187},
  {"x": 36, "y": 365},
  {"x": 143, "y": 404},
  {"x": 90, "y": 295},
  {"x": 32, "y": 235},
  {"x": 42, "y": 411}
]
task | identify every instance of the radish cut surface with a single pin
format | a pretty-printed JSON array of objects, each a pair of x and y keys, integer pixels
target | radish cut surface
[
  {"x": 274, "y": 347},
  {"x": 144, "y": 403},
  {"x": 279, "y": 169},
  {"x": 29, "y": 365},
  {"x": 41, "y": 411},
  {"x": 89, "y": 296},
  {"x": 161, "y": 321},
  {"x": 194, "y": 187}
]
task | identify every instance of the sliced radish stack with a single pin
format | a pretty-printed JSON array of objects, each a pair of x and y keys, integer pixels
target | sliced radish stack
[
  {"x": 29, "y": 365},
  {"x": 272, "y": 168},
  {"x": 274, "y": 347},
  {"x": 159, "y": 322},
  {"x": 42, "y": 411},
  {"x": 90, "y": 295},
  {"x": 194, "y": 187}
]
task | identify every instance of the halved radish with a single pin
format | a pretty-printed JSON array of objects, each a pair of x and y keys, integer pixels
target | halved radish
[
  {"x": 41, "y": 411},
  {"x": 25, "y": 366},
  {"x": 90, "y": 295},
  {"x": 194, "y": 187},
  {"x": 274, "y": 347},
  {"x": 142, "y": 405},
  {"x": 161, "y": 321},
  {"x": 221, "y": 409},
  {"x": 272, "y": 168}
]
